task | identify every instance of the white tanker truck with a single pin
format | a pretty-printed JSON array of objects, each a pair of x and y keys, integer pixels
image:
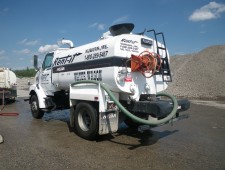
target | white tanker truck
[
  {"x": 117, "y": 78},
  {"x": 8, "y": 85}
]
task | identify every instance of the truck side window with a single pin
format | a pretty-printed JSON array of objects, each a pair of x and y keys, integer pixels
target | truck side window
[{"x": 48, "y": 61}]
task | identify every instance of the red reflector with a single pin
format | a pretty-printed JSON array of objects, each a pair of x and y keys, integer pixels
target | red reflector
[
  {"x": 95, "y": 98},
  {"x": 128, "y": 79}
]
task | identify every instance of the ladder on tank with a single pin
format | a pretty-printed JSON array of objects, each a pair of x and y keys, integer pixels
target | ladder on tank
[{"x": 165, "y": 68}]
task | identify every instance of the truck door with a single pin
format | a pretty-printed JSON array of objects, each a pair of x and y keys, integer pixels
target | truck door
[{"x": 46, "y": 75}]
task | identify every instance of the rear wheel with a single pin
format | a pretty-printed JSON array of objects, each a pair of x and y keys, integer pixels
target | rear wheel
[
  {"x": 86, "y": 121},
  {"x": 34, "y": 105}
]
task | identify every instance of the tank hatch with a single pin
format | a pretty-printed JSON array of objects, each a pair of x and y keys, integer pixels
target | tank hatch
[{"x": 119, "y": 29}]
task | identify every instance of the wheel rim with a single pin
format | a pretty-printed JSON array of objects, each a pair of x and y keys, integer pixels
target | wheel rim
[
  {"x": 34, "y": 107},
  {"x": 84, "y": 120}
]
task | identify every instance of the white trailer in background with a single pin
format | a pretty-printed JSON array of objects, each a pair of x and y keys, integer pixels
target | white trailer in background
[{"x": 8, "y": 85}]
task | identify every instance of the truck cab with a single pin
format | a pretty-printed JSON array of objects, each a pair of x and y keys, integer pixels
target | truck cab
[{"x": 46, "y": 74}]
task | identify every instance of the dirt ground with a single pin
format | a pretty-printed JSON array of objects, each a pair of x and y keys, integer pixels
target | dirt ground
[
  {"x": 194, "y": 143},
  {"x": 197, "y": 142}
]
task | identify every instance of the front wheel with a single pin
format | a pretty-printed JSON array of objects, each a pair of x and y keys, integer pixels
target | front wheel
[
  {"x": 86, "y": 121},
  {"x": 34, "y": 105}
]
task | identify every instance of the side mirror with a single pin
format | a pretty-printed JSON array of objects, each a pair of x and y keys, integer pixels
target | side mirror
[{"x": 36, "y": 62}]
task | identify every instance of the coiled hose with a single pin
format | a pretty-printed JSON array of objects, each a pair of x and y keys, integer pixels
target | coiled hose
[{"x": 152, "y": 122}]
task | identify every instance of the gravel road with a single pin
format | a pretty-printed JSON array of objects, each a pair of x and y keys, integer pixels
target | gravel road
[
  {"x": 194, "y": 143},
  {"x": 23, "y": 87}
]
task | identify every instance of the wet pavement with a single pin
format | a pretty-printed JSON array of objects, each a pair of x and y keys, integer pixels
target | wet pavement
[{"x": 194, "y": 143}]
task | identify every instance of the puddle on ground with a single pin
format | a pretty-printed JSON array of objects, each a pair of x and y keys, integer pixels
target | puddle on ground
[{"x": 62, "y": 115}]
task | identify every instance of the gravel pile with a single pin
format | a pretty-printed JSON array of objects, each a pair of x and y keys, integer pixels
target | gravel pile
[
  {"x": 200, "y": 75},
  {"x": 23, "y": 87}
]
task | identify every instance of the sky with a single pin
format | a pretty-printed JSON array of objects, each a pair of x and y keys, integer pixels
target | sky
[{"x": 29, "y": 27}]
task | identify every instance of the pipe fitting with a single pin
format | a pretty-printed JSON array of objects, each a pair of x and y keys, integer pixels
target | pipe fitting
[{"x": 67, "y": 42}]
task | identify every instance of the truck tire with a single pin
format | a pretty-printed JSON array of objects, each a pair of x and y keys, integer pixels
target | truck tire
[
  {"x": 86, "y": 121},
  {"x": 34, "y": 105}
]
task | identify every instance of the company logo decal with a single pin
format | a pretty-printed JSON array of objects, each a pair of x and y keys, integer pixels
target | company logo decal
[{"x": 65, "y": 60}]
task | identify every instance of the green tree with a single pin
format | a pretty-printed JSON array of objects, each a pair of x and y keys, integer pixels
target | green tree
[{"x": 25, "y": 72}]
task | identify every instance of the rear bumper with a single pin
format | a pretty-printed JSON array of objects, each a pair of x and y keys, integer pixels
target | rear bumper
[{"x": 158, "y": 108}]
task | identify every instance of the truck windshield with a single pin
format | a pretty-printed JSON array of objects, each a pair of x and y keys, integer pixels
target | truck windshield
[{"x": 48, "y": 61}]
